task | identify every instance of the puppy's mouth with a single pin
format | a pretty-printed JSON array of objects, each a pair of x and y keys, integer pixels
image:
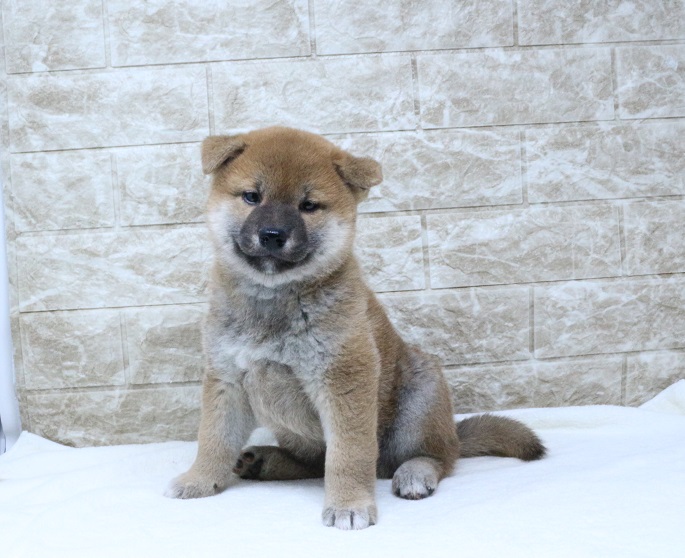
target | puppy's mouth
[{"x": 272, "y": 262}]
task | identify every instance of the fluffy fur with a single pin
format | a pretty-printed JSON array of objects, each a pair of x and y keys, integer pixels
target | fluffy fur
[{"x": 297, "y": 342}]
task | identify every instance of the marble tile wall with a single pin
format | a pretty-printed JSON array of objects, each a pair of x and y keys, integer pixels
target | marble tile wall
[{"x": 529, "y": 231}]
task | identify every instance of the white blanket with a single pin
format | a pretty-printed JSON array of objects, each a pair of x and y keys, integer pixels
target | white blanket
[{"x": 613, "y": 485}]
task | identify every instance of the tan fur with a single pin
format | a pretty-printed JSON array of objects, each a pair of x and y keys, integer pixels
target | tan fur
[{"x": 297, "y": 342}]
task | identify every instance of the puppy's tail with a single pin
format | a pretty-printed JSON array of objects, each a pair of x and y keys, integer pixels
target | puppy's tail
[{"x": 498, "y": 436}]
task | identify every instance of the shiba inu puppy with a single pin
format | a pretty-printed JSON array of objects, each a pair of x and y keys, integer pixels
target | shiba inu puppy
[{"x": 297, "y": 342}]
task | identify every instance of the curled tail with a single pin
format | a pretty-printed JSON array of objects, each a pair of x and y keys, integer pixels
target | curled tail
[{"x": 498, "y": 436}]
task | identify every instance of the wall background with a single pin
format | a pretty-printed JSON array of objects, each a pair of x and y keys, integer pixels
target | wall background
[{"x": 530, "y": 229}]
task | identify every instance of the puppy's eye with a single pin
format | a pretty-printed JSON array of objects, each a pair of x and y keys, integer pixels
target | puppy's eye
[
  {"x": 252, "y": 198},
  {"x": 309, "y": 206}
]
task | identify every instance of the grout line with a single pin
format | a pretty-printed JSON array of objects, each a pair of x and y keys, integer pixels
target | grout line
[
  {"x": 624, "y": 379},
  {"x": 104, "y": 308},
  {"x": 295, "y": 58},
  {"x": 25, "y": 412},
  {"x": 531, "y": 321},
  {"x": 607, "y": 279},
  {"x": 517, "y": 206},
  {"x": 18, "y": 351},
  {"x": 416, "y": 91},
  {"x": 3, "y": 45},
  {"x": 123, "y": 331},
  {"x": 614, "y": 84},
  {"x": 523, "y": 166},
  {"x": 110, "y": 387},
  {"x": 515, "y": 22},
  {"x": 312, "y": 29},
  {"x": 566, "y": 359},
  {"x": 622, "y": 238},
  {"x": 116, "y": 195},
  {"x": 107, "y": 147},
  {"x": 115, "y": 228},
  {"x": 399, "y": 130},
  {"x": 10, "y": 215},
  {"x": 426, "y": 252},
  {"x": 396, "y": 293},
  {"x": 106, "y": 35},
  {"x": 210, "y": 99}
]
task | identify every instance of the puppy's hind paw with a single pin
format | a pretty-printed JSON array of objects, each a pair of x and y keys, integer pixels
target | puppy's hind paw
[
  {"x": 249, "y": 464},
  {"x": 415, "y": 479}
]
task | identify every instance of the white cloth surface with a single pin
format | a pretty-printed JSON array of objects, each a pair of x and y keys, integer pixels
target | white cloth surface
[{"x": 612, "y": 485}]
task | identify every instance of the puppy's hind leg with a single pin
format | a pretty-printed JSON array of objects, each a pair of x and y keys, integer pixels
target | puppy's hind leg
[
  {"x": 294, "y": 458},
  {"x": 417, "y": 478},
  {"x": 274, "y": 463},
  {"x": 421, "y": 446}
]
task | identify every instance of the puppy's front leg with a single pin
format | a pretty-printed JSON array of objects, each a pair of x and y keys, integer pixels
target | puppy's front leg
[
  {"x": 226, "y": 423},
  {"x": 349, "y": 415}
]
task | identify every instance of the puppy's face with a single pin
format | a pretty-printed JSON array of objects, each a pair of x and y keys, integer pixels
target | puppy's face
[{"x": 283, "y": 203}]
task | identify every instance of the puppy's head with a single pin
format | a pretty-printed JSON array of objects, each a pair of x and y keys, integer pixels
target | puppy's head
[{"x": 283, "y": 203}]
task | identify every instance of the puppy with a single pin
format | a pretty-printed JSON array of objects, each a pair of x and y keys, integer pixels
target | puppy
[{"x": 296, "y": 341}]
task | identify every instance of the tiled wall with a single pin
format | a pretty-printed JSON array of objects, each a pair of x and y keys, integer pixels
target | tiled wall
[{"x": 530, "y": 230}]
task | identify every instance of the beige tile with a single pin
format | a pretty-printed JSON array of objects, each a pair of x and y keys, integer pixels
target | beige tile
[
  {"x": 347, "y": 26},
  {"x": 62, "y": 190},
  {"x": 536, "y": 384},
  {"x": 606, "y": 161},
  {"x": 591, "y": 317},
  {"x": 122, "y": 416},
  {"x": 326, "y": 95},
  {"x": 537, "y": 244},
  {"x": 655, "y": 237},
  {"x": 500, "y": 87},
  {"x": 161, "y": 185},
  {"x": 67, "y": 111},
  {"x": 542, "y": 22},
  {"x": 128, "y": 268},
  {"x": 441, "y": 168},
  {"x": 651, "y": 81},
  {"x": 391, "y": 254},
  {"x": 45, "y": 35},
  {"x": 468, "y": 326},
  {"x": 170, "y": 31},
  {"x": 651, "y": 373},
  {"x": 72, "y": 349},
  {"x": 164, "y": 343}
]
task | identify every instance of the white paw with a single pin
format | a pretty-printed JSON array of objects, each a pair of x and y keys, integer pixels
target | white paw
[
  {"x": 359, "y": 517},
  {"x": 191, "y": 485},
  {"x": 414, "y": 480}
]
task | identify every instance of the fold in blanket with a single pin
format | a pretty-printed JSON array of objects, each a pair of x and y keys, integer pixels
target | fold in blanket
[{"x": 613, "y": 485}]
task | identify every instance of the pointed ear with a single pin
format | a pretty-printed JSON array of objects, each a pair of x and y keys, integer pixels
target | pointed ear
[
  {"x": 359, "y": 173},
  {"x": 217, "y": 150}
]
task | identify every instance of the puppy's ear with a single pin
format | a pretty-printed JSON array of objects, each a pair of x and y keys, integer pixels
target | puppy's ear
[
  {"x": 359, "y": 173},
  {"x": 217, "y": 150}
]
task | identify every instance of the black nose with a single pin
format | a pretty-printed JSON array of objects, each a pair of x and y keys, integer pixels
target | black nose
[{"x": 272, "y": 239}]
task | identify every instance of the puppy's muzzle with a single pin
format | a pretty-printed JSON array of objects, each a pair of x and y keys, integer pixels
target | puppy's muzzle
[{"x": 273, "y": 231}]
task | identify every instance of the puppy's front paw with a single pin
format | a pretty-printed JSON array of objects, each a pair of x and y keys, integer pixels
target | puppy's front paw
[
  {"x": 347, "y": 518},
  {"x": 192, "y": 485}
]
